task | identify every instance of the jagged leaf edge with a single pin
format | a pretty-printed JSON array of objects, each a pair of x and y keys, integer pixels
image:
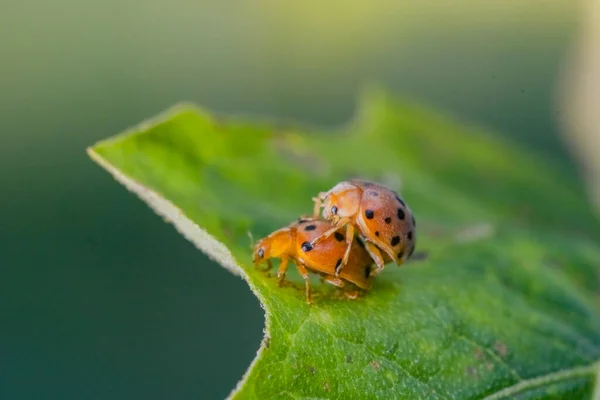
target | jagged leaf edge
[{"x": 202, "y": 240}]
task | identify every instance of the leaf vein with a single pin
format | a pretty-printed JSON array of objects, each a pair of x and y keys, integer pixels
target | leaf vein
[{"x": 542, "y": 380}]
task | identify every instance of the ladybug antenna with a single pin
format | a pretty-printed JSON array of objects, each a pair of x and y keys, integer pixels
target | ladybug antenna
[{"x": 251, "y": 240}]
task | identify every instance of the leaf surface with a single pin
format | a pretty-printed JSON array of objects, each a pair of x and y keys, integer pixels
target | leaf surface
[{"x": 505, "y": 305}]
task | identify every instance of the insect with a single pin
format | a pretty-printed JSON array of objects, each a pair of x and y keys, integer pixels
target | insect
[
  {"x": 383, "y": 220},
  {"x": 290, "y": 244}
]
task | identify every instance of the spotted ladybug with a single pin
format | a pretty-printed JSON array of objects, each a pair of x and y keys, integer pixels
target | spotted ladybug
[
  {"x": 379, "y": 216},
  {"x": 294, "y": 243}
]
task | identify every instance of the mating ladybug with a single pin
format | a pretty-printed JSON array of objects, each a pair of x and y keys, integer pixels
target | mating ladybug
[
  {"x": 290, "y": 243},
  {"x": 382, "y": 218}
]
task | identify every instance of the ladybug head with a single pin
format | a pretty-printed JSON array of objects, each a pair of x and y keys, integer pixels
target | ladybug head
[
  {"x": 261, "y": 251},
  {"x": 344, "y": 202},
  {"x": 274, "y": 245},
  {"x": 331, "y": 207}
]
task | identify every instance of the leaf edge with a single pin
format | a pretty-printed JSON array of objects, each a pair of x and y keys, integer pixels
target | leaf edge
[{"x": 201, "y": 239}]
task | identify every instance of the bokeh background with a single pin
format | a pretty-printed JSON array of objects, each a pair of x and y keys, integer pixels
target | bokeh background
[{"x": 98, "y": 297}]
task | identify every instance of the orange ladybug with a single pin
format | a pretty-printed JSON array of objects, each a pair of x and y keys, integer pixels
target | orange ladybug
[
  {"x": 291, "y": 242},
  {"x": 382, "y": 218}
]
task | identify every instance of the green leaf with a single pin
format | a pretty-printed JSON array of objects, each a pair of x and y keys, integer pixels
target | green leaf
[{"x": 504, "y": 306}]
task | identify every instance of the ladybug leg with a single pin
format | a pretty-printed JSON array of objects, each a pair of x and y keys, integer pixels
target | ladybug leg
[
  {"x": 318, "y": 204},
  {"x": 304, "y": 273},
  {"x": 282, "y": 270},
  {"x": 349, "y": 239},
  {"x": 268, "y": 267},
  {"x": 376, "y": 256},
  {"x": 340, "y": 224},
  {"x": 351, "y": 294},
  {"x": 334, "y": 281}
]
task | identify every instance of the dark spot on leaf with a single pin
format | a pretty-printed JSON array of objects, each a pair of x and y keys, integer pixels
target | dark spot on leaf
[
  {"x": 401, "y": 214},
  {"x": 228, "y": 232},
  {"x": 395, "y": 240},
  {"x": 501, "y": 348},
  {"x": 348, "y": 358},
  {"x": 310, "y": 227},
  {"x": 369, "y": 214},
  {"x": 479, "y": 354},
  {"x": 306, "y": 247},
  {"x": 339, "y": 237},
  {"x": 422, "y": 255},
  {"x": 312, "y": 370},
  {"x": 388, "y": 220},
  {"x": 375, "y": 365}
]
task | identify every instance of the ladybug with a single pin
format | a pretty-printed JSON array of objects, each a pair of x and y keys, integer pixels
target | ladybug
[
  {"x": 383, "y": 220},
  {"x": 293, "y": 243}
]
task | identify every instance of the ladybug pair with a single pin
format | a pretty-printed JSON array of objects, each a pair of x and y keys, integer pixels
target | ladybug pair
[{"x": 379, "y": 228}]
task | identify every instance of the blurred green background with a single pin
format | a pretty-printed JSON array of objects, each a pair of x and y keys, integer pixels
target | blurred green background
[{"x": 98, "y": 297}]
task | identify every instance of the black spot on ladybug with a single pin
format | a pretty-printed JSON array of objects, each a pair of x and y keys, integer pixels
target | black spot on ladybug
[
  {"x": 369, "y": 214},
  {"x": 367, "y": 271},
  {"x": 388, "y": 220},
  {"x": 337, "y": 265},
  {"x": 306, "y": 247},
  {"x": 400, "y": 200},
  {"x": 413, "y": 220},
  {"x": 373, "y": 193},
  {"x": 395, "y": 240},
  {"x": 339, "y": 237},
  {"x": 334, "y": 210},
  {"x": 376, "y": 233},
  {"x": 411, "y": 252},
  {"x": 310, "y": 227},
  {"x": 410, "y": 235},
  {"x": 400, "y": 255},
  {"x": 401, "y": 214}
]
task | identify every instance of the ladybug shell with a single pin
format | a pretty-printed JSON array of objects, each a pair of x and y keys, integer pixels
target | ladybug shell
[
  {"x": 325, "y": 257},
  {"x": 385, "y": 219}
]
